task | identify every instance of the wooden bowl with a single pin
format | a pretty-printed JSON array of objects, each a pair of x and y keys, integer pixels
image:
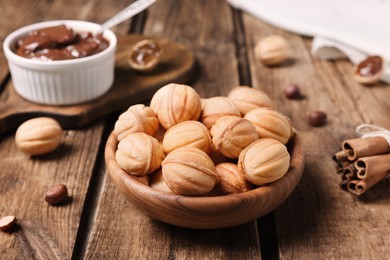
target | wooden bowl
[{"x": 206, "y": 212}]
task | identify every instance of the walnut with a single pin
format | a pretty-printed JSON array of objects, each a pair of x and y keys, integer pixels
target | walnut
[
  {"x": 217, "y": 107},
  {"x": 189, "y": 171},
  {"x": 188, "y": 133},
  {"x": 231, "y": 134},
  {"x": 139, "y": 154},
  {"x": 271, "y": 124},
  {"x": 264, "y": 161},
  {"x": 176, "y": 103},
  {"x": 137, "y": 118},
  {"x": 231, "y": 179},
  {"x": 247, "y": 99},
  {"x": 39, "y": 136}
]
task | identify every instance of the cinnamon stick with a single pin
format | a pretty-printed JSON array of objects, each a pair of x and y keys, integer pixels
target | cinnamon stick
[
  {"x": 370, "y": 171},
  {"x": 341, "y": 160},
  {"x": 352, "y": 187},
  {"x": 362, "y": 147},
  {"x": 350, "y": 172}
]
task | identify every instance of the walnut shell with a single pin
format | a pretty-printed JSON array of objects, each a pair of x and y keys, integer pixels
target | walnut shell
[
  {"x": 188, "y": 133},
  {"x": 138, "y": 118},
  {"x": 39, "y": 136},
  {"x": 271, "y": 124},
  {"x": 189, "y": 171},
  {"x": 157, "y": 182},
  {"x": 176, "y": 103},
  {"x": 216, "y": 107},
  {"x": 247, "y": 99},
  {"x": 231, "y": 179},
  {"x": 231, "y": 134},
  {"x": 272, "y": 50},
  {"x": 139, "y": 154},
  {"x": 264, "y": 161}
]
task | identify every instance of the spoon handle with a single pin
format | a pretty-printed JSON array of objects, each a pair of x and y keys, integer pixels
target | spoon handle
[{"x": 131, "y": 10}]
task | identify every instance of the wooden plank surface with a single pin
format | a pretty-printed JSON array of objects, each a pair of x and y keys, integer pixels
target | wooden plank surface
[
  {"x": 120, "y": 230},
  {"x": 320, "y": 220},
  {"x": 46, "y": 232}
]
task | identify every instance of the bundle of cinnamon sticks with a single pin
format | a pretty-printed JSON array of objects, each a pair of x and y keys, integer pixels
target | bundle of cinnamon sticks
[{"x": 362, "y": 163}]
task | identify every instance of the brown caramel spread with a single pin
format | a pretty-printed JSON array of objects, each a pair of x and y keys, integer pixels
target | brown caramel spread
[
  {"x": 60, "y": 43},
  {"x": 370, "y": 66}
]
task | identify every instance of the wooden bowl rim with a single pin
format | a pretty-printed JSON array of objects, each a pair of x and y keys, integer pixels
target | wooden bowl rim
[{"x": 294, "y": 173}]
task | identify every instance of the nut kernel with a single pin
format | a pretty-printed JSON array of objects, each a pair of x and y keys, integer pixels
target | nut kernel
[
  {"x": 7, "y": 223},
  {"x": 57, "y": 194}
]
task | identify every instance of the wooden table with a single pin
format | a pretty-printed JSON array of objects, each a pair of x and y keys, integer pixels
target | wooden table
[{"x": 319, "y": 220}]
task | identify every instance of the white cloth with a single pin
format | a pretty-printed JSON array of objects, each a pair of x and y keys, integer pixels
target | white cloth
[
  {"x": 357, "y": 28},
  {"x": 368, "y": 130}
]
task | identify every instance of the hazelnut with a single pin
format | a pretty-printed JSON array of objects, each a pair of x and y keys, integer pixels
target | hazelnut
[
  {"x": 370, "y": 70},
  {"x": 188, "y": 133},
  {"x": 139, "y": 154},
  {"x": 176, "y": 103},
  {"x": 247, "y": 99},
  {"x": 231, "y": 179},
  {"x": 231, "y": 134},
  {"x": 272, "y": 50},
  {"x": 217, "y": 107},
  {"x": 39, "y": 136},
  {"x": 189, "y": 171},
  {"x": 270, "y": 123},
  {"x": 292, "y": 92},
  {"x": 264, "y": 161},
  {"x": 157, "y": 182},
  {"x": 57, "y": 194},
  {"x": 137, "y": 118},
  {"x": 145, "y": 55},
  {"x": 317, "y": 118},
  {"x": 7, "y": 223}
]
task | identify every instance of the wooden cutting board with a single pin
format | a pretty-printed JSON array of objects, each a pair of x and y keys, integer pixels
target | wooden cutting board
[{"x": 129, "y": 87}]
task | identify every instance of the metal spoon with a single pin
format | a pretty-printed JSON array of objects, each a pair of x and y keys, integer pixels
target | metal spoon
[{"x": 130, "y": 11}]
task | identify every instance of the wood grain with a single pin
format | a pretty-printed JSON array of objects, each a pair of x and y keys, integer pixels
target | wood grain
[
  {"x": 12, "y": 19},
  {"x": 319, "y": 219},
  {"x": 206, "y": 27},
  {"x": 46, "y": 232},
  {"x": 129, "y": 87}
]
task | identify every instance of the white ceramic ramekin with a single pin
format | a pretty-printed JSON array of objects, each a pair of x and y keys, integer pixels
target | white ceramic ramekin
[{"x": 61, "y": 82}]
